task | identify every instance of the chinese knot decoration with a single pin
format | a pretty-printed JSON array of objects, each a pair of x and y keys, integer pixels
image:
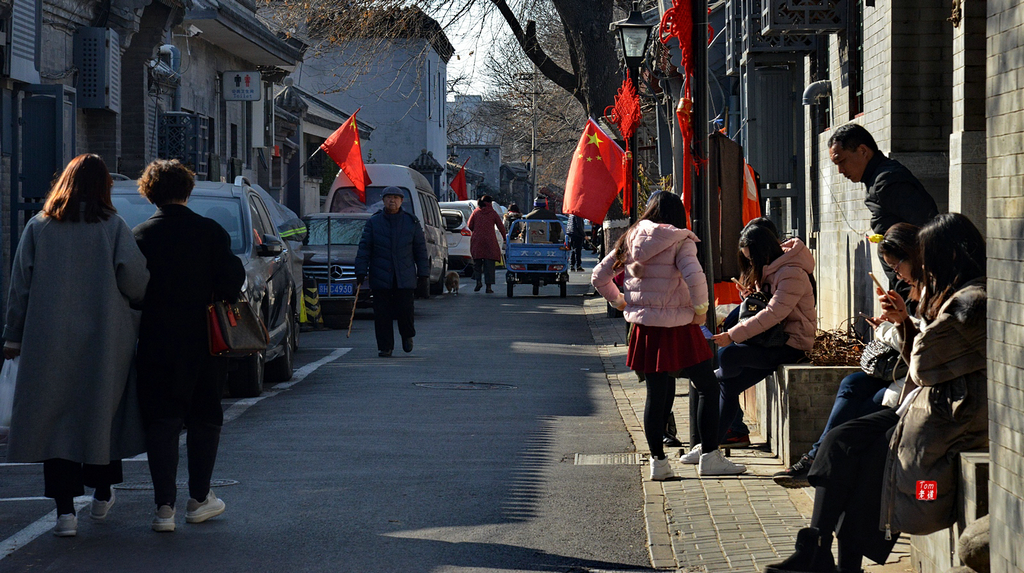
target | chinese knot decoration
[
  {"x": 678, "y": 23},
  {"x": 625, "y": 113}
]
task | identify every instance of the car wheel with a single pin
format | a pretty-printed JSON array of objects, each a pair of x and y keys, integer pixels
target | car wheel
[
  {"x": 509, "y": 287},
  {"x": 561, "y": 290},
  {"x": 438, "y": 287},
  {"x": 536, "y": 289},
  {"x": 281, "y": 368},
  {"x": 247, "y": 380}
]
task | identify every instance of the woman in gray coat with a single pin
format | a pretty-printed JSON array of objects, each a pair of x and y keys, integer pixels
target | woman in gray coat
[{"x": 76, "y": 272}]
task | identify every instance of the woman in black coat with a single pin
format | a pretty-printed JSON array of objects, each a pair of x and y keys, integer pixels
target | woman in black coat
[{"x": 191, "y": 264}]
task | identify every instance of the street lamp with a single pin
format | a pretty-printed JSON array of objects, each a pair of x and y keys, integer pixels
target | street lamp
[{"x": 634, "y": 35}]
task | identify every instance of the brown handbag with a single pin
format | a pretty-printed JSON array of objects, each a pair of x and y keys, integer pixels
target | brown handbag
[{"x": 235, "y": 329}]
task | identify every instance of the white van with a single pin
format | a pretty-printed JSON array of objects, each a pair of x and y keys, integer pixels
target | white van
[{"x": 419, "y": 200}]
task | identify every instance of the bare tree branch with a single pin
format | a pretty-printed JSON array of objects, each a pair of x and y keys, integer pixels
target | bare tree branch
[{"x": 531, "y": 46}]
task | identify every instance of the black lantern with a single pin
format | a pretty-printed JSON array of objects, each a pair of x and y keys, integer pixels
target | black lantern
[{"x": 634, "y": 35}]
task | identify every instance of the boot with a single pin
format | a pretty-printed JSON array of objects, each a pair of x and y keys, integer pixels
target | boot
[{"x": 813, "y": 554}]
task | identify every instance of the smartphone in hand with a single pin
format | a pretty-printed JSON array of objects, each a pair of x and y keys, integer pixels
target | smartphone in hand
[{"x": 875, "y": 279}]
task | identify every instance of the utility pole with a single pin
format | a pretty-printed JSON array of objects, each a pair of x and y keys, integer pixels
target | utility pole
[{"x": 533, "y": 138}]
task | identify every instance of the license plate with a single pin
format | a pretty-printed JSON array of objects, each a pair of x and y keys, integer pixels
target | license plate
[{"x": 336, "y": 289}]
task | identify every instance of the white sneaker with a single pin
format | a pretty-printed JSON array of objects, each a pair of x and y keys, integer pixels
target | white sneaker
[
  {"x": 199, "y": 512},
  {"x": 101, "y": 508},
  {"x": 67, "y": 525},
  {"x": 164, "y": 519},
  {"x": 660, "y": 470},
  {"x": 693, "y": 456},
  {"x": 715, "y": 464}
]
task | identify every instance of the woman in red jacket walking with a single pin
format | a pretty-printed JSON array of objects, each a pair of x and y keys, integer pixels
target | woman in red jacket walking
[{"x": 483, "y": 245}]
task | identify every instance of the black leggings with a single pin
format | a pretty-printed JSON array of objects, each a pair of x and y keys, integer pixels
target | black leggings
[
  {"x": 64, "y": 480},
  {"x": 847, "y": 476},
  {"x": 661, "y": 391}
]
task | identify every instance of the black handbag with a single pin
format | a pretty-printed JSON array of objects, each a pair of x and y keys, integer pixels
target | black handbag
[
  {"x": 879, "y": 360},
  {"x": 753, "y": 304}
]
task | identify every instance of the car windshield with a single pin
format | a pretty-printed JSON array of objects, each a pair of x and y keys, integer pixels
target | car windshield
[
  {"x": 340, "y": 231},
  {"x": 227, "y": 211},
  {"x": 535, "y": 232},
  {"x": 347, "y": 201}
]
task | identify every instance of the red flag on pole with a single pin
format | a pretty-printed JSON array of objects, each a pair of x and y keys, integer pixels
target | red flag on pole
[
  {"x": 459, "y": 183},
  {"x": 343, "y": 147},
  {"x": 595, "y": 175}
]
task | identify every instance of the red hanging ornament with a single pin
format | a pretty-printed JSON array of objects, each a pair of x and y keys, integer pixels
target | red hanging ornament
[{"x": 625, "y": 112}]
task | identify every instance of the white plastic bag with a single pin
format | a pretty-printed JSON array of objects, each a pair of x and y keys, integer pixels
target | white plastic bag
[{"x": 8, "y": 376}]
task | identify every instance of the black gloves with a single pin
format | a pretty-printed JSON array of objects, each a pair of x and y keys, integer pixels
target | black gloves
[{"x": 359, "y": 279}]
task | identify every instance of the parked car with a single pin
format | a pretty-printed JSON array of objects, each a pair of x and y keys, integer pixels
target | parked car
[
  {"x": 419, "y": 200},
  {"x": 269, "y": 285},
  {"x": 330, "y": 260},
  {"x": 457, "y": 234}
]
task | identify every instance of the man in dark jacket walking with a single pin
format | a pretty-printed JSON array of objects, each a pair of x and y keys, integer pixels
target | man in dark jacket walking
[
  {"x": 393, "y": 252},
  {"x": 576, "y": 235},
  {"x": 894, "y": 195}
]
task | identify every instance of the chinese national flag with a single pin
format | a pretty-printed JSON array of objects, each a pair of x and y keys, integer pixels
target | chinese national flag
[
  {"x": 343, "y": 147},
  {"x": 459, "y": 184},
  {"x": 595, "y": 175}
]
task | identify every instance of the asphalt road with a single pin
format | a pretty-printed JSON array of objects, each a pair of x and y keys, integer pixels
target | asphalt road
[{"x": 458, "y": 457}]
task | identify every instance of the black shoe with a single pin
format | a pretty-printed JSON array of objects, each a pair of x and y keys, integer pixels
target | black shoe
[
  {"x": 384, "y": 353},
  {"x": 795, "y": 476},
  {"x": 489, "y": 290},
  {"x": 671, "y": 442},
  {"x": 407, "y": 344},
  {"x": 478, "y": 287},
  {"x": 813, "y": 554}
]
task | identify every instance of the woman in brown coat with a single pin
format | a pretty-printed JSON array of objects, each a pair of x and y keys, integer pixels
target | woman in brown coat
[
  {"x": 869, "y": 471},
  {"x": 483, "y": 245}
]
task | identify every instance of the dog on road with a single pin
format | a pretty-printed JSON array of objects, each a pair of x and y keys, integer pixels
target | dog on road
[{"x": 451, "y": 282}]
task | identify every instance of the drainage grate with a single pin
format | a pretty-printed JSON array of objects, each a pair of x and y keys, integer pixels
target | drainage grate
[
  {"x": 608, "y": 459},
  {"x": 464, "y": 386},
  {"x": 143, "y": 485}
]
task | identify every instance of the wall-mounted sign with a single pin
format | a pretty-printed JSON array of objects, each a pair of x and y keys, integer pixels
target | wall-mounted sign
[{"x": 242, "y": 86}]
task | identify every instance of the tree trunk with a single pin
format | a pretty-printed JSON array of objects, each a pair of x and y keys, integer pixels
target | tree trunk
[{"x": 595, "y": 56}]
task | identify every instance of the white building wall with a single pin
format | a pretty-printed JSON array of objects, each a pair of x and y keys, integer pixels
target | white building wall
[{"x": 400, "y": 90}]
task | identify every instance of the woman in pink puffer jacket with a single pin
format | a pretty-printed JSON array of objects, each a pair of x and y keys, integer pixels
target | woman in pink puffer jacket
[
  {"x": 785, "y": 272},
  {"x": 665, "y": 301}
]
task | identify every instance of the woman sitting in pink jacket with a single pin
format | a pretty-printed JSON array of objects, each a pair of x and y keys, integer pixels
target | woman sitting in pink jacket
[
  {"x": 784, "y": 272},
  {"x": 665, "y": 300}
]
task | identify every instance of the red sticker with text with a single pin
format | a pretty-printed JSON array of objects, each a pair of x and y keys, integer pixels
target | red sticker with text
[{"x": 927, "y": 490}]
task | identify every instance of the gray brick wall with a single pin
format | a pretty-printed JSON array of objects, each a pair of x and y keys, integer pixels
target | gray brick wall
[{"x": 1005, "y": 232}]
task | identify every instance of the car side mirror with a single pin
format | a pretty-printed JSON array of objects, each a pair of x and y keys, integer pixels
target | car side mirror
[{"x": 271, "y": 247}]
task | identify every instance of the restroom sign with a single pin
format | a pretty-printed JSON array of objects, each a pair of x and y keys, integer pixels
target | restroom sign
[{"x": 242, "y": 86}]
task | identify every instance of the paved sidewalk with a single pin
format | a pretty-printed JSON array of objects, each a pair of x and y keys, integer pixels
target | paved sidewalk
[{"x": 739, "y": 523}]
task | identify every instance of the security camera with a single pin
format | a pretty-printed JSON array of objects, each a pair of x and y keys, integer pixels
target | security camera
[{"x": 192, "y": 31}]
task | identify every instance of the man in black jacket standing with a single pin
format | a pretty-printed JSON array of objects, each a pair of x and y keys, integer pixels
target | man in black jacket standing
[
  {"x": 894, "y": 195},
  {"x": 393, "y": 252}
]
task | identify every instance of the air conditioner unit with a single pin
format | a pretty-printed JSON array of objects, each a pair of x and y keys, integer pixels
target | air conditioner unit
[
  {"x": 21, "y": 54},
  {"x": 98, "y": 59}
]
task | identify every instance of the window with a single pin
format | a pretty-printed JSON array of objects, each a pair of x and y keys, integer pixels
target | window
[
  {"x": 856, "y": 60},
  {"x": 341, "y": 231}
]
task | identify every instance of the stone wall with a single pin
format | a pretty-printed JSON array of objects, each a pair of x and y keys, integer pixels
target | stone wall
[{"x": 1005, "y": 235}]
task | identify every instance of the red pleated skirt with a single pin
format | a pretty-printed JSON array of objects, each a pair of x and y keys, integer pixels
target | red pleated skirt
[{"x": 666, "y": 349}]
